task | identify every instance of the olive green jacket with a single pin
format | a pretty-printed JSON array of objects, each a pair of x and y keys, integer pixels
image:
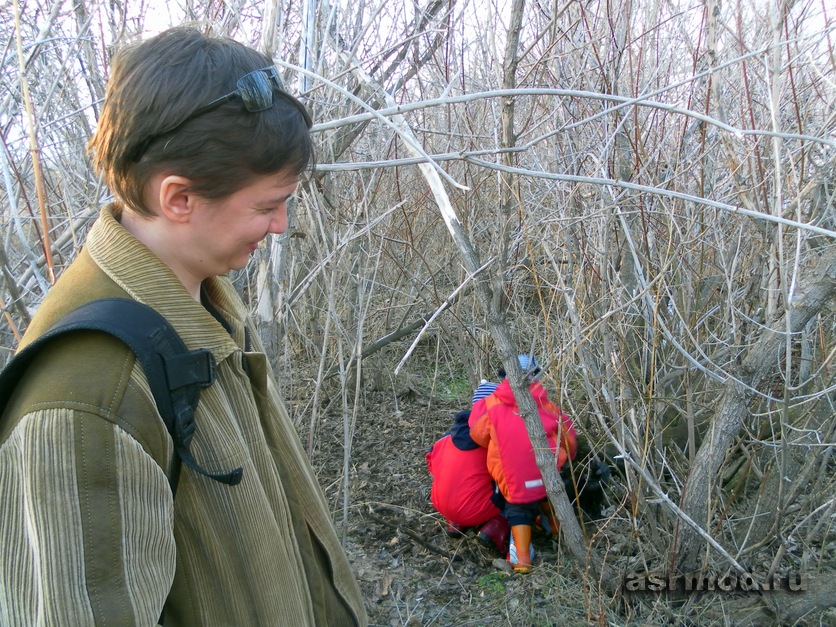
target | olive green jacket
[{"x": 90, "y": 533}]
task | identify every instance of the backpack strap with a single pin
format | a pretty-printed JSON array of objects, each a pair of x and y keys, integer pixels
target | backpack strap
[{"x": 175, "y": 374}]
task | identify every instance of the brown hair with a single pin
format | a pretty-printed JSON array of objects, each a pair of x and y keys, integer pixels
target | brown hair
[{"x": 157, "y": 84}]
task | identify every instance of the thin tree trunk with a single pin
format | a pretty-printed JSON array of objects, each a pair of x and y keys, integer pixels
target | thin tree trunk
[{"x": 813, "y": 291}]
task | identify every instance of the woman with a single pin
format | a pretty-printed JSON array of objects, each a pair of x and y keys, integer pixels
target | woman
[{"x": 202, "y": 149}]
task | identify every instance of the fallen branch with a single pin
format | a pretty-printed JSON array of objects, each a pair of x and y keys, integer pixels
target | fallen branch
[{"x": 412, "y": 536}]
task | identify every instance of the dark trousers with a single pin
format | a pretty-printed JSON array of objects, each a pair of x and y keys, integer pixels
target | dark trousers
[{"x": 521, "y": 513}]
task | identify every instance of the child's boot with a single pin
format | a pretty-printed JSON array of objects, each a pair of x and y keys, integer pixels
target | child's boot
[
  {"x": 550, "y": 518},
  {"x": 495, "y": 532},
  {"x": 454, "y": 530},
  {"x": 520, "y": 551}
]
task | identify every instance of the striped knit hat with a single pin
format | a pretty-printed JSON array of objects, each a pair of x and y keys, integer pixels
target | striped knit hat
[{"x": 485, "y": 388}]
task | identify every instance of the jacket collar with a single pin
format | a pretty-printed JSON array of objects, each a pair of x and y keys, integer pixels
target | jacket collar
[
  {"x": 460, "y": 432},
  {"x": 146, "y": 278}
]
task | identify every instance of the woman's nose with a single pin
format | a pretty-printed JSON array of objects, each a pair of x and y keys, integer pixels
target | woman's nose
[{"x": 278, "y": 224}]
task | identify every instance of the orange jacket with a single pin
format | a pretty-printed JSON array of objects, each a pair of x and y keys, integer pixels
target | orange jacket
[{"x": 496, "y": 424}]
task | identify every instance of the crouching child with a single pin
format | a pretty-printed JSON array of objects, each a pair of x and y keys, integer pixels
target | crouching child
[
  {"x": 463, "y": 489},
  {"x": 496, "y": 424}
]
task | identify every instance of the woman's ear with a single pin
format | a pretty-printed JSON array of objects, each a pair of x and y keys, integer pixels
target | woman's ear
[{"x": 177, "y": 201}]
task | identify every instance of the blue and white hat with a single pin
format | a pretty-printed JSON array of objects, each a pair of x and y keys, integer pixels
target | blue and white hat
[
  {"x": 529, "y": 366},
  {"x": 485, "y": 388}
]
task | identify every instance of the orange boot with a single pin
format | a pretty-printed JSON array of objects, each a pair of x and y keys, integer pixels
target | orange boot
[
  {"x": 522, "y": 546},
  {"x": 548, "y": 512}
]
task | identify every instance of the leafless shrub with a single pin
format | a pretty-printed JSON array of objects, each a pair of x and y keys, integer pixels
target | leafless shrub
[{"x": 650, "y": 216}]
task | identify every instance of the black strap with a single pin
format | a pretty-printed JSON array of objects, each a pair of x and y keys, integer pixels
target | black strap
[{"x": 174, "y": 373}]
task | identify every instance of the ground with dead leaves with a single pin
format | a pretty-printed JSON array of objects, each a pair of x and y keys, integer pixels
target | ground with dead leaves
[{"x": 411, "y": 573}]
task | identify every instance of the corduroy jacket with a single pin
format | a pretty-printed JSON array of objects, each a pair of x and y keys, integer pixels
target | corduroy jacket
[{"x": 90, "y": 533}]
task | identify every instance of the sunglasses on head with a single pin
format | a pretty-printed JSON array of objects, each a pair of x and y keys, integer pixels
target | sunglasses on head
[{"x": 256, "y": 91}]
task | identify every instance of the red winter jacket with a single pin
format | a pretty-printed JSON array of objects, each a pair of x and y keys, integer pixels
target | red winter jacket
[
  {"x": 462, "y": 486},
  {"x": 496, "y": 424}
]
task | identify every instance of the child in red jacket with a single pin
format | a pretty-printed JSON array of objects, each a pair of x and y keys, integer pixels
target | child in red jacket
[
  {"x": 462, "y": 489},
  {"x": 496, "y": 425}
]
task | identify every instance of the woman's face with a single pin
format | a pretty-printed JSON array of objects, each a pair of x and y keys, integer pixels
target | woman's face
[{"x": 227, "y": 231}]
